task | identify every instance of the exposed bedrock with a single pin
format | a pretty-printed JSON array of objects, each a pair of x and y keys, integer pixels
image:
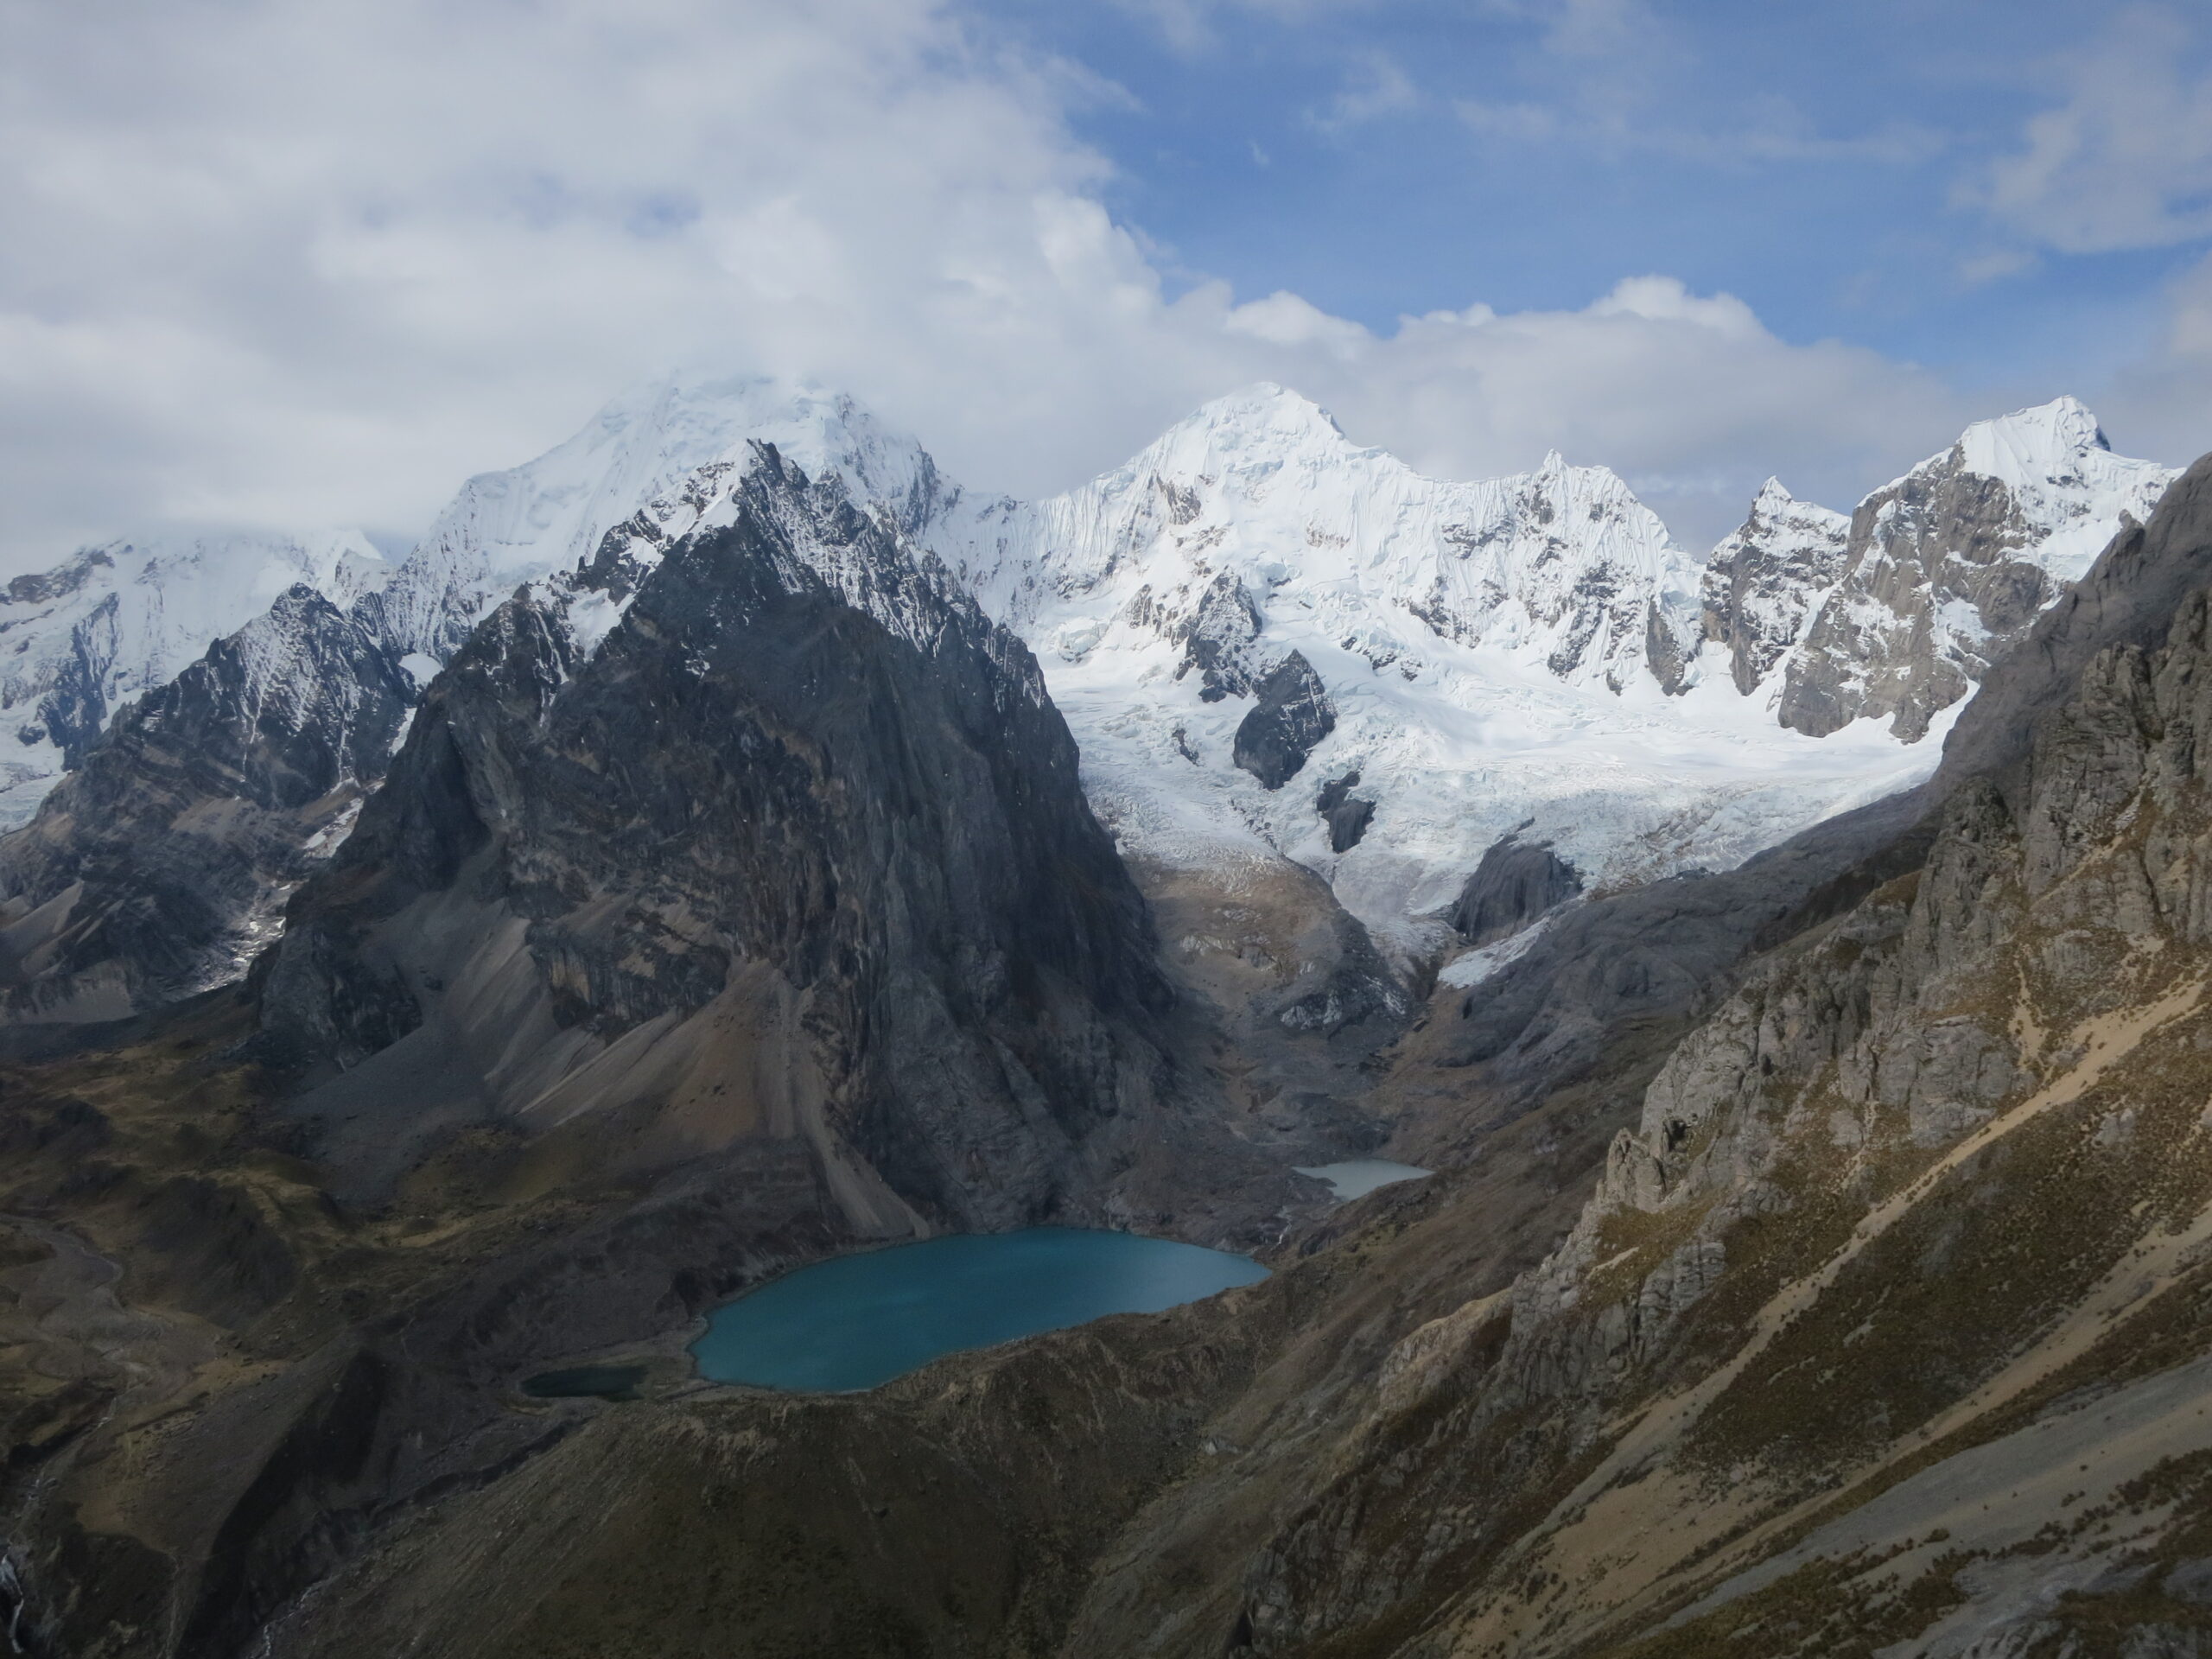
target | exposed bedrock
[
  {"x": 1939, "y": 580},
  {"x": 161, "y": 864},
  {"x": 774, "y": 924},
  {"x": 1292, "y": 715},
  {"x": 806, "y": 818},
  {"x": 1516, "y": 882},
  {"x": 1346, "y": 814},
  {"x": 1218, "y": 637},
  {"x": 1579, "y": 1392}
]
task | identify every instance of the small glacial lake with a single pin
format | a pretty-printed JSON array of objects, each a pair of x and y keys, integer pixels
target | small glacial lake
[
  {"x": 859, "y": 1320},
  {"x": 1356, "y": 1178}
]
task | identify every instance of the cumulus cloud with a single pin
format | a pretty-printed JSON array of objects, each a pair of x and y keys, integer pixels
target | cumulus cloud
[
  {"x": 2126, "y": 160},
  {"x": 289, "y": 264}
]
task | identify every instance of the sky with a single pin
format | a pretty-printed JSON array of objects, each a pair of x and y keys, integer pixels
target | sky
[{"x": 292, "y": 263}]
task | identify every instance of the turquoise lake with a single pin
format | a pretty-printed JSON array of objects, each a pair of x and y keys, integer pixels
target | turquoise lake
[{"x": 860, "y": 1320}]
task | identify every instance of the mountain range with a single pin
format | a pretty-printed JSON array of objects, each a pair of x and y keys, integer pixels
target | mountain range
[
  {"x": 1449, "y": 665},
  {"x": 725, "y": 842}
]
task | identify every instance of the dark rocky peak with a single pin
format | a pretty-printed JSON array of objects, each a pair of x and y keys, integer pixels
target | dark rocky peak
[
  {"x": 823, "y": 536},
  {"x": 800, "y": 793},
  {"x": 1292, "y": 715},
  {"x": 158, "y": 867},
  {"x": 1517, "y": 883}
]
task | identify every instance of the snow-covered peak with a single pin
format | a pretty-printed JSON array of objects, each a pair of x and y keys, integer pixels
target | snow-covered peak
[
  {"x": 1773, "y": 500},
  {"x": 1764, "y": 583},
  {"x": 2032, "y": 445},
  {"x": 509, "y": 527},
  {"x": 1261, "y": 413},
  {"x": 1561, "y": 568},
  {"x": 114, "y": 621},
  {"x": 1950, "y": 564}
]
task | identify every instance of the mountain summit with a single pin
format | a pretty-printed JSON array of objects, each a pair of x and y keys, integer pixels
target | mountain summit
[{"x": 1276, "y": 648}]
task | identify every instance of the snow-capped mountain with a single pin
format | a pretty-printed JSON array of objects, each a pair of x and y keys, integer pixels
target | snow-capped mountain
[
  {"x": 1270, "y": 642},
  {"x": 510, "y": 527},
  {"x": 1949, "y": 564},
  {"x": 117, "y": 620},
  {"x": 1762, "y": 584},
  {"x": 1261, "y": 495},
  {"x": 1530, "y": 656},
  {"x": 1273, "y": 642}
]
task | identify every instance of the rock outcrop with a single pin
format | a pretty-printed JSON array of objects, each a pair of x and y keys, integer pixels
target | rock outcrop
[
  {"x": 1764, "y": 584},
  {"x": 1515, "y": 883},
  {"x": 1290, "y": 714},
  {"x": 161, "y": 865},
  {"x": 1886, "y": 1322},
  {"x": 1346, "y": 814},
  {"x": 1950, "y": 564},
  {"x": 118, "y": 621}
]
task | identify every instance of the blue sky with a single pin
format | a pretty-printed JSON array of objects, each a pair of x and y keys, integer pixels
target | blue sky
[
  {"x": 1829, "y": 163},
  {"x": 289, "y": 265}
]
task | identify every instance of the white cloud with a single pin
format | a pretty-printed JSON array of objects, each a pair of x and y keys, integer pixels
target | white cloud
[
  {"x": 1376, "y": 87},
  {"x": 1191, "y": 26},
  {"x": 2163, "y": 404},
  {"x": 288, "y": 262},
  {"x": 2126, "y": 160}
]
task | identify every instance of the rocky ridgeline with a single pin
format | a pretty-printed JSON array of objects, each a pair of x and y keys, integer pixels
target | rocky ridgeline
[
  {"x": 160, "y": 866},
  {"x": 732, "y": 898},
  {"x": 1811, "y": 1368},
  {"x": 1947, "y": 567},
  {"x": 1764, "y": 583},
  {"x": 1278, "y": 573}
]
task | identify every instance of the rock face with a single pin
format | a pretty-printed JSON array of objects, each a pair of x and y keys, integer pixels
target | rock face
[
  {"x": 119, "y": 621},
  {"x": 1514, "y": 884},
  {"x": 1764, "y": 583},
  {"x": 1346, "y": 814},
  {"x": 1217, "y": 638},
  {"x": 801, "y": 800},
  {"x": 722, "y": 876},
  {"x": 1160, "y": 597},
  {"x": 159, "y": 867},
  {"x": 1950, "y": 564},
  {"x": 548, "y": 515},
  {"x": 1911, "y": 1195},
  {"x": 1290, "y": 714}
]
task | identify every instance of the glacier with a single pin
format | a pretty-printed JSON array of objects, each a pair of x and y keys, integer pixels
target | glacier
[{"x": 1530, "y": 656}]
